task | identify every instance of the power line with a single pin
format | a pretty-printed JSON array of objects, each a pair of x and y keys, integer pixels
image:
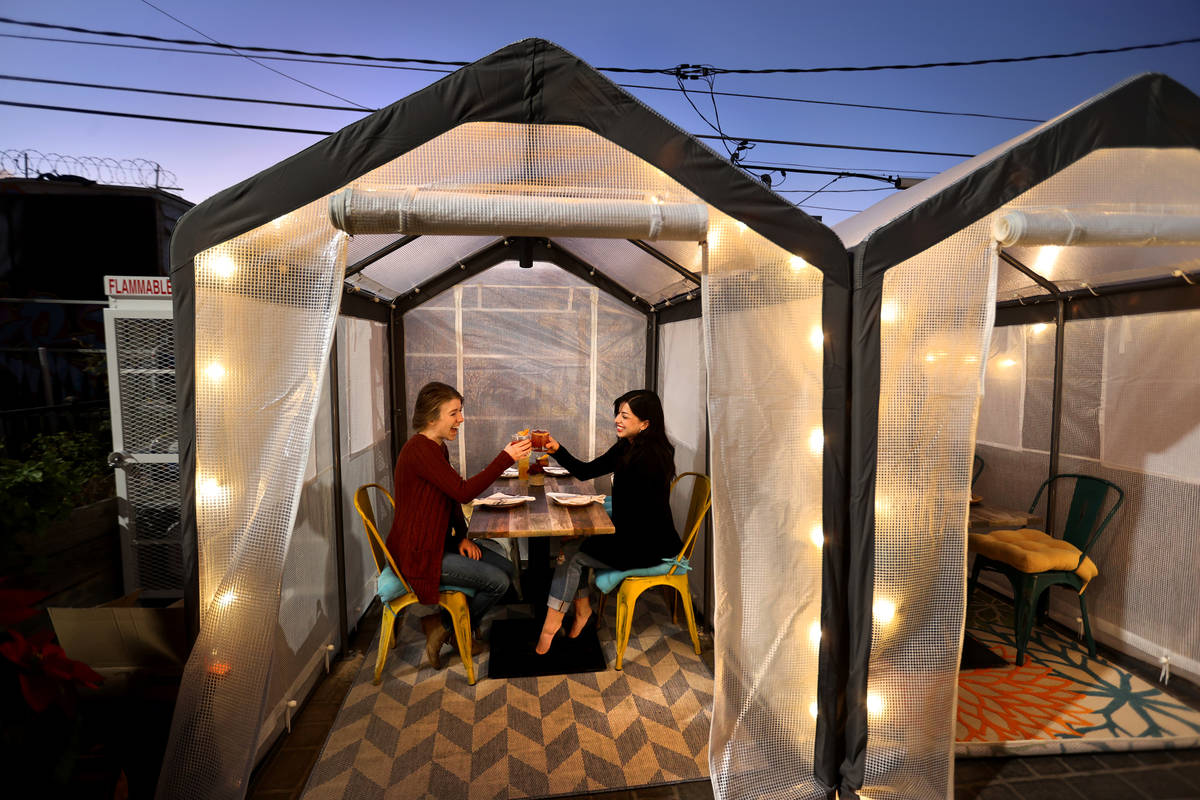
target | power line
[
  {"x": 837, "y": 146},
  {"x": 194, "y": 95},
  {"x": 682, "y": 71},
  {"x": 158, "y": 118},
  {"x": 160, "y": 49},
  {"x": 250, "y": 59},
  {"x": 834, "y": 103},
  {"x": 326, "y": 133}
]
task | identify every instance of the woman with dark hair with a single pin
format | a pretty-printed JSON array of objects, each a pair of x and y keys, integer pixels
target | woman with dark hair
[
  {"x": 642, "y": 463},
  {"x": 428, "y": 538}
]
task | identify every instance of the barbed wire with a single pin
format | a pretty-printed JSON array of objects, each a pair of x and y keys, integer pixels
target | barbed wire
[{"x": 112, "y": 171}]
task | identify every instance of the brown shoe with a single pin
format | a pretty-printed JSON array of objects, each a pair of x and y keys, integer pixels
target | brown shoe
[
  {"x": 436, "y": 635},
  {"x": 477, "y": 645}
]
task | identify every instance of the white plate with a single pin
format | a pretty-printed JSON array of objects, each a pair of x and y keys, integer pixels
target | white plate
[
  {"x": 511, "y": 472},
  {"x": 501, "y": 501},
  {"x": 557, "y": 472},
  {"x": 565, "y": 499}
]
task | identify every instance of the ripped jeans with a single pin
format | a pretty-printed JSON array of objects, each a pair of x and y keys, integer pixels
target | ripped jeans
[{"x": 570, "y": 579}]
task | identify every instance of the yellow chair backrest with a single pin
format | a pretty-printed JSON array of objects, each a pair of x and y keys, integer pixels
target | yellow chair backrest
[
  {"x": 379, "y": 551},
  {"x": 700, "y": 503}
]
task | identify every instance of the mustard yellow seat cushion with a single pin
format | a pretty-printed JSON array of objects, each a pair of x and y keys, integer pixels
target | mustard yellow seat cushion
[{"x": 1032, "y": 551}]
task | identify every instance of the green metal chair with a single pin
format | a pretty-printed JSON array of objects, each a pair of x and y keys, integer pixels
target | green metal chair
[{"x": 1080, "y": 531}]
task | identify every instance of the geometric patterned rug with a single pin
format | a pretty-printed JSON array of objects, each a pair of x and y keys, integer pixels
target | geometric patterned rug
[
  {"x": 427, "y": 733},
  {"x": 1060, "y": 701}
]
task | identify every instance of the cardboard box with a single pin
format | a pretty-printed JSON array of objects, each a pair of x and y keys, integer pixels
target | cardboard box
[{"x": 119, "y": 637}]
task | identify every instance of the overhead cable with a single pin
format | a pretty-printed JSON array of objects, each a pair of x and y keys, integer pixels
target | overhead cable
[
  {"x": 683, "y": 70},
  {"x": 250, "y": 58},
  {"x": 219, "y": 123}
]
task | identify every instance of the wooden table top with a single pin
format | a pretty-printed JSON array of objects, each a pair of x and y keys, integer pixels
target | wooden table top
[
  {"x": 540, "y": 517},
  {"x": 986, "y": 518}
]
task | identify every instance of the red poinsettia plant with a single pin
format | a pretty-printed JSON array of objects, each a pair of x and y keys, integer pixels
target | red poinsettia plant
[{"x": 45, "y": 675}]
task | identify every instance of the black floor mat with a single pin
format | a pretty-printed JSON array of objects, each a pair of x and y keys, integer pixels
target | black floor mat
[
  {"x": 511, "y": 654},
  {"x": 976, "y": 655}
]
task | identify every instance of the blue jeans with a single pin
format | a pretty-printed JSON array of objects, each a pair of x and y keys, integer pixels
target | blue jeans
[
  {"x": 569, "y": 579},
  {"x": 490, "y": 577}
]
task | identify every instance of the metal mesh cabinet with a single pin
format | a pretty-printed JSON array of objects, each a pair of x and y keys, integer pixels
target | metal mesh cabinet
[{"x": 141, "y": 373}]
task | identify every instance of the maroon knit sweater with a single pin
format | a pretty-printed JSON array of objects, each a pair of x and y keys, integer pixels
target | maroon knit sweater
[{"x": 428, "y": 491}]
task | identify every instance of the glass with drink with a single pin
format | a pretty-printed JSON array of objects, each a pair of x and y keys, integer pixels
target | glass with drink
[
  {"x": 523, "y": 462},
  {"x": 540, "y": 439}
]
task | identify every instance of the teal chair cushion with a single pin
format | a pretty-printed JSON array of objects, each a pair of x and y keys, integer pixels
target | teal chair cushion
[
  {"x": 390, "y": 587},
  {"x": 608, "y": 579}
]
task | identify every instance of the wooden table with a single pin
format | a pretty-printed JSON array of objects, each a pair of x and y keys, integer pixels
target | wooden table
[
  {"x": 542, "y": 517},
  {"x": 990, "y": 518}
]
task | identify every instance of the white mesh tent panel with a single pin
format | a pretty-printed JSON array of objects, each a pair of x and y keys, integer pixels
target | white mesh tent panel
[
  {"x": 934, "y": 334},
  {"x": 762, "y": 328},
  {"x": 531, "y": 347},
  {"x": 307, "y": 620},
  {"x": 366, "y": 448},
  {"x": 1002, "y": 403},
  {"x": 682, "y": 385}
]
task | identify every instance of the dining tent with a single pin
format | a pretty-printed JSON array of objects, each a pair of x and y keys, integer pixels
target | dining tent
[
  {"x": 527, "y": 230},
  {"x": 1089, "y": 222}
]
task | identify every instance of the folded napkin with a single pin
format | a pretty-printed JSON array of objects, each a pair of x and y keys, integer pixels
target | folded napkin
[
  {"x": 575, "y": 498},
  {"x": 499, "y": 497},
  {"x": 556, "y": 471},
  {"x": 511, "y": 472}
]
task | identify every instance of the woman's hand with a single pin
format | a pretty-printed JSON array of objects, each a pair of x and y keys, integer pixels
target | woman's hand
[
  {"x": 518, "y": 450},
  {"x": 551, "y": 444},
  {"x": 469, "y": 549}
]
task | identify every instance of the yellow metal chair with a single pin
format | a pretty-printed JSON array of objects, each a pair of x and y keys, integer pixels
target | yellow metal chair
[
  {"x": 672, "y": 573},
  {"x": 396, "y": 594}
]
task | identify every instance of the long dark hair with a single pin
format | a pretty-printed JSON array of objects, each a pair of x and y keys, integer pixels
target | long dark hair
[
  {"x": 429, "y": 402},
  {"x": 646, "y": 406}
]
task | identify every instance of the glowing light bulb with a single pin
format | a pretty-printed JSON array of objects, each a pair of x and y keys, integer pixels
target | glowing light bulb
[
  {"x": 882, "y": 506},
  {"x": 741, "y": 226},
  {"x": 814, "y": 633},
  {"x": 812, "y": 709},
  {"x": 816, "y": 441},
  {"x": 215, "y": 372},
  {"x": 1046, "y": 258},
  {"x": 1008, "y": 362},
  {"x": 221, "y": 265},
  {"x": 226, "y": 599},
  {"x": 887, "y": 312},
  {"x": 874, "y": 703},
  {"x": 797, "y": 264},
  {"x": 816, "y": 338},
  {"x": 209, "y": 490},
  {"x": 884, "y": 611},
  {"x": 817, "y": 535},
  {"x": 1041, "y": 326}
]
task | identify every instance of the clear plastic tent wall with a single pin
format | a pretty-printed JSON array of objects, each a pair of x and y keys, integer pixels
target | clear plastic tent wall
[
  {"x": 534, "y": 347},
  {"x": 265, "y": 309},
  {"x": 765, "y": 341}
]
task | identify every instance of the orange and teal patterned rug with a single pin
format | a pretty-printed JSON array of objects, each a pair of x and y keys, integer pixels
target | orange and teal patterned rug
[{"x": 1060, "y": 701}]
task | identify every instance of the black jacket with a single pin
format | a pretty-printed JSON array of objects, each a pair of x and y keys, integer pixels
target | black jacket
[{"x": 641, "y": 510}]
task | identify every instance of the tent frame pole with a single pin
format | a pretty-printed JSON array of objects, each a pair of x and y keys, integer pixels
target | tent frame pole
[
  {"x": 1060, "y": 335},
  {"x": 339, "y": 530}
]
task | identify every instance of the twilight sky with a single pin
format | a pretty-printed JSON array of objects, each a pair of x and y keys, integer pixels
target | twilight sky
[{"x": 625, "y": 33}]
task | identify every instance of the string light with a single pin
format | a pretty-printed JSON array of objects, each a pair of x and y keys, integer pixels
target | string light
[
  {"x": 874, "y": 703},
  {"x": 817, "y": 338},
  {"x": 797, "y": 264},
  {"x": 884, "y": 611},
  {"x": 816, "y": 441},
  {"x": 887, "y": 312},
  {"x": 219, "y": 264},
  {"x": 812, "y": 709},
  {"x": 814, "y": 633},
  {"x": 1038, "y": 328},
  {"x": 226, "y": 599},
  {"x": 817, "y": 535},
  {"x": 215, "y": 372},
  {"x": 1008, "y": 362},
  {"x": 1046, "y": 258}
]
